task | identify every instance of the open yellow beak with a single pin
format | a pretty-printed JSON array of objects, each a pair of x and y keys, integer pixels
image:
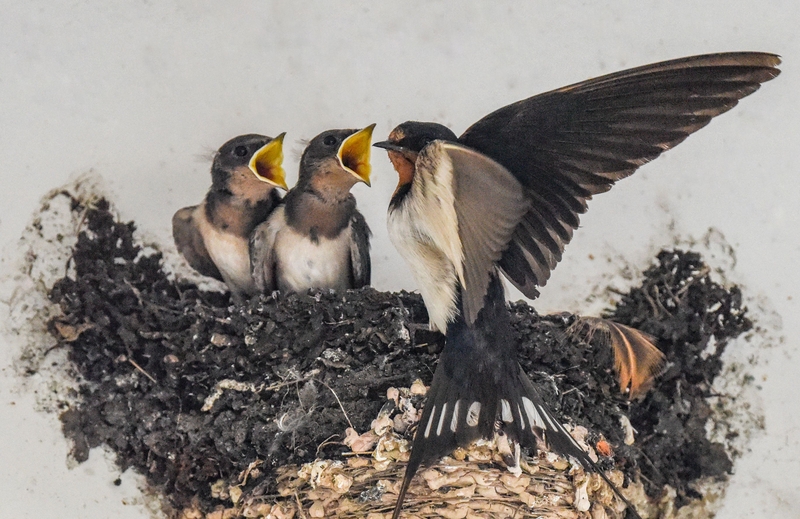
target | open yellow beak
[
  {"x": 267, "y": 163},
  {"x": 354, "y": 154}
]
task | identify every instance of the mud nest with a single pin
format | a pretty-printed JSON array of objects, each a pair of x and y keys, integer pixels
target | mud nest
[{"x": 213, "y": 400}]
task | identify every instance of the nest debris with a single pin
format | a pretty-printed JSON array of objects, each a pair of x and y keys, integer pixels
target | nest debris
[{"x": 239, "y": 410}]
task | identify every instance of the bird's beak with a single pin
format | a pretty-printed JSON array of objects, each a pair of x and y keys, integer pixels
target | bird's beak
[
  {"x": 389, "y": 145},
  {"x": 406, "y": 153},
  {"x": 354, "y": 154},
  {"x": 267, "y": 163}
]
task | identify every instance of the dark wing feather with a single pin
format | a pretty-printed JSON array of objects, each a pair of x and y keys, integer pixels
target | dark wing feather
[
  {"x": 190, "y": 242},
  {"x": 569, "y": 144},
  {"x": 489, "y": 204},
  {"x": 360, "y": 263},
  {"x": 262, "y": 257}
]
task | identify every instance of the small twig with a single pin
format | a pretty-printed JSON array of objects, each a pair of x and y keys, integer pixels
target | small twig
[
  {"x": 177, "y": 287},
  {"x": 51, "y": 348},
  {"x": 247, "y": 386},
  {"x": 672, "y": 296},
  {"x": 299, "y": 506},
  {"x": 574, "y": 388},
  {"x": 84, "y": 214},
  {"x": 146, "y": 374},
  {"x": 694, "y": 279},
  {"x": 646, "y": 479},
  {"x": 339, "y": 402},
  {"x": 143, "y": 302},
  {"x": 652, "y": 303},
  {"x": 339, "y": 324},
  {"x": 647, "y": 458},
  {"x": 273, "y": 387},
  {"x": 328, "y": 441},
  {"x": 707, "y": 395}
]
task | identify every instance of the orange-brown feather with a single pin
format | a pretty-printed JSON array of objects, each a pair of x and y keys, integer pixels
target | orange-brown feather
[
  {"x": 404, "y": 168},
  {"x": 636, "y": 358}
]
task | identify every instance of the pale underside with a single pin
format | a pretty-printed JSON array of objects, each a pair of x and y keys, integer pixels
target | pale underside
[
  {"x": 454, "y": 225},
  {"x": 302, "y": 263},
  {"x": 230, "y": 253}
]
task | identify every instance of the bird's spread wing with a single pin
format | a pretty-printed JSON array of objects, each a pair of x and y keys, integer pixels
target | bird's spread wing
[
  {"x": 569, "y": 144},
  {"x": 487, "y": 204},
  {"x": 262, "y": 251},
  {"x": 360, "y": 264},
  {"x": 190, "y": 242}
]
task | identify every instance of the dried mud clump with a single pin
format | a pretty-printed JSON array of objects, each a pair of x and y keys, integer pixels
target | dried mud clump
[
  {"x": 225, "y": 407},
  {"x": 692, "y": 318}
]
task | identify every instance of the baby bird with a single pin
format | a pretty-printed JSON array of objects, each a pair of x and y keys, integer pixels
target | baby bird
[
  {"x": 317, "y": 238},
  {"x": 214, "y": 236}
]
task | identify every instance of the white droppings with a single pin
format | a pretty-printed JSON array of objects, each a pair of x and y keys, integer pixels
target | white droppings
[{"x": 628, "y": 428}]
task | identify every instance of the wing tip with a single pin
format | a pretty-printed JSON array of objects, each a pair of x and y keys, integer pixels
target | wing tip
[{"x": 637, "y": 360}]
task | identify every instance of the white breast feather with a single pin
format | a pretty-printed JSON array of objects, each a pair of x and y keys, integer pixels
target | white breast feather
[
  {"x": 230, "y": 253},
  {"x": 424, "y": 229},
  {"x": 303, "y": 264}
]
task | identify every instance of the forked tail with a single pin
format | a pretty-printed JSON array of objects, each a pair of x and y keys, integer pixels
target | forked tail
[{"x": 479, "y": 383}]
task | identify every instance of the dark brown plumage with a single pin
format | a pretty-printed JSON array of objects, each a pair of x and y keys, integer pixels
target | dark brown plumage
[{"x": 458, "y": 230}]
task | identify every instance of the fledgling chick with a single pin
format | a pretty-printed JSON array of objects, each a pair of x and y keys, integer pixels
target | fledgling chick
[
  {"x": 214, "y": 236},
  {"x": 504, "y": 198},
  {"x": 317, "y": 238}
]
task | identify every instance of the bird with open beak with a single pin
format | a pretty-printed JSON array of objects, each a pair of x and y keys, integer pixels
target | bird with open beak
[
  {"x": 317, "y": 238},
  {"x": 504, "y": 198},
  {"x": 214, "y": 236}
]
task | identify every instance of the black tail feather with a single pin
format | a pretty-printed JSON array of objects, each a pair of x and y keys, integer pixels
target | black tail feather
[
  {"x": 479, "y": 382},
  {"x": 561, "y": 441},
  {"x": 460, "y": 409}
]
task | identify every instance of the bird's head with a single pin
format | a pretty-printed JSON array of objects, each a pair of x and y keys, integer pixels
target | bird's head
[
  {"x": 405, "y": 143},
  {"x": 335, "y": 160},
  {"x": 249, "y": 166}
]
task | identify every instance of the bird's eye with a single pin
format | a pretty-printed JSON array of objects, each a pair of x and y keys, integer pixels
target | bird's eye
[
  {"x": 330, "y": 140},
  {"x": 240, "y": 151}
]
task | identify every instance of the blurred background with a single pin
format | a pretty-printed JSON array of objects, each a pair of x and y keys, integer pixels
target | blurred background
[{"x": 142, "y": 93}]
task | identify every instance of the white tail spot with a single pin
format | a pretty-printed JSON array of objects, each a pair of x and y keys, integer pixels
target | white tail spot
[
  {"x": 505, "y": 412},
  {"x": 533, "y": 415},
  {"x": 441, "y": 420},
  {"x": 454, "y": 420},
  {"x": 521, "y": 417},
  {"x": 473, "y": 414},
  {"x": 430, "y": 422}
]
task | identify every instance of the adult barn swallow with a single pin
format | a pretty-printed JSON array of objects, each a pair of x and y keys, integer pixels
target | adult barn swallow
[
  {"x": 317, "y": 238},
  {"x": 505, "y": 198},
  {"x": 214, "y": 235}
]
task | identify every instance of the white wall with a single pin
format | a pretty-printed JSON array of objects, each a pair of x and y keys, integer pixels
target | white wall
[{"x": 143, "y": 92}]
